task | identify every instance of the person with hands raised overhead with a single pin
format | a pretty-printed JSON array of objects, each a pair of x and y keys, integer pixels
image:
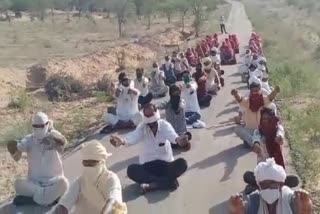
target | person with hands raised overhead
[
  {"x": 252, "y": 106},
  {"x": 272, "y": 197},
  {"x": 157, "y": 168}
]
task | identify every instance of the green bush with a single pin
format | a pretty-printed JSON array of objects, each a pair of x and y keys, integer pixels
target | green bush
[
  {"x": 20, "y": 100},
  {"x": 103, "y": 96},
  {"x": 16, "y": 131}
]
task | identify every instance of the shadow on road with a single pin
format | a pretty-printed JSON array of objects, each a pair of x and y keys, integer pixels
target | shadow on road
[
  {"x": 229, "y": 157},
  {"x": 243, "y": 87},
  {"x": 222, "y": 208},
  {"x": 123, "y": 164},
  {"x": 228, "y": 110},
  {"x": 132, "y": 192},
  {"x": 234, "y": 102},
  {"x": 236, "y": 74},
  {"x": 224, "y": 132},
  {"x": 236, "y": 82}
]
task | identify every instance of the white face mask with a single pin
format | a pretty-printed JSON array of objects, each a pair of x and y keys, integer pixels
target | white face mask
[
  {"x": 92, "y": 173},
  {"x": 40, "y": 133},
  {"x": 270, "y": 195},
  {"x": 152, "y": 119}
]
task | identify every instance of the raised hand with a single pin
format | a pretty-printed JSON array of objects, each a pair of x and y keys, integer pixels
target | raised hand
[
  {"x": 116, "y": 141},
  {"x": 237, "y": 204},
  {"x": 303, "y": 202},
  {"x": 234, "y": 92}
]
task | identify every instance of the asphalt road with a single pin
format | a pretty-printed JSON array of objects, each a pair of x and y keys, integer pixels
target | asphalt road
[{"x": 216, "y": 161}]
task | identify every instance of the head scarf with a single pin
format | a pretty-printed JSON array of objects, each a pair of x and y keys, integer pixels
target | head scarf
[
  {"x": 40, "y": 118},
  {"x": 255, "y": 100},
  {"x": 94, "y": 150},
  {"x": 205, "y": 61},
  {"x": 269, "y": 170}
]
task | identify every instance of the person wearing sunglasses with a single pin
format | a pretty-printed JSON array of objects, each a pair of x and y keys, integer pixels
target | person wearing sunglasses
[{"x": 45, "y": 182}]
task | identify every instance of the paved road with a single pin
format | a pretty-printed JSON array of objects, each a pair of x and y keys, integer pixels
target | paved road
[{"x": 217, "y": 160}]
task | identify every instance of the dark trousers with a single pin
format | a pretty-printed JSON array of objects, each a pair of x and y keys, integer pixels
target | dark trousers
[
  {"x": 204, "y": 101},
  {"x": 192, "y": 117},
  {"x": 163, "y": 173},
  {"x": 145, "y": 99},
  {"x": 223, "y": 28},
  {"x": 291, "y": 180}
]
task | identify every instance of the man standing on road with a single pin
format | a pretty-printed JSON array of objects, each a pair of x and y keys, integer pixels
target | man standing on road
[
  {"x": 157, "y": 169},
  {"x": 273, "y": 197},
  {"x": 127, "y": 113},
  {"x": 222, "y": 25},
  {"x": 97, "y": 190},
  {"x": 252, "y": 106},
  {"x": 45, "y": 183}
]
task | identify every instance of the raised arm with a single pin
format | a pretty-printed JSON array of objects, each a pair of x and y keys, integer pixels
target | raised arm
[
  {"x": 274, "y": 93},
  {"x": 236, "y": 95}
]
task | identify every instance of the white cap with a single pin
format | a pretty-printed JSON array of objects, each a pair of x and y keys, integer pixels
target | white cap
[
  {"x": 269, "y": 170},
  {"x": 254, "y": 79},
  {"x": 40, "y": 118}
]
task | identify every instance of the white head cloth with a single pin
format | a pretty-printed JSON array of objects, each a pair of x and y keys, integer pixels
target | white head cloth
[
  {"x": 254, "y": 79},
  {"x": 269, "y": 170},
  {"x": 40, "y": 118},
  {"x": 94, "y": 150},
  {"x": 262, "y": 59},
  {"x": 207, "y": 60},
  {"x": 153, "y": 118}
]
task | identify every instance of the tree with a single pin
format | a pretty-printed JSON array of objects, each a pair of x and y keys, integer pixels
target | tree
[
  {"x": 200, "y": 9},
  {"x": 139, "y": 7},
  {"x": 167, "y": 7},
  {"x": 122, "y": 9},
  {"x": 148, "y": 8},
  {"x": 183, "y": 7}
]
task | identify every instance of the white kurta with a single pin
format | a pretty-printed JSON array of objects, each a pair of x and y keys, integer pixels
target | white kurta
[
  {"x": 152, "y": 148},
  {"x": 142, "y": 86},
  {"x": 191, "y": 98}
]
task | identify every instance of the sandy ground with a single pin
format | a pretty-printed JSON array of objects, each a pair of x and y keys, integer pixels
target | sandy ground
[{"x": 216, "y": 161}]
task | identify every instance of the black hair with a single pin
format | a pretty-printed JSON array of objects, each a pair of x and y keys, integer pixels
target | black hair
[
  {"x": 167, "y": 58},
  {"x": 154, "y": 65},
  {"x": 122, "y": 76},
  {"x": 173, "y": 88},
  {"x": 269, "y": 111},
  {"x": 254, "y": 85},
  {"x": 150, "y": 105}
]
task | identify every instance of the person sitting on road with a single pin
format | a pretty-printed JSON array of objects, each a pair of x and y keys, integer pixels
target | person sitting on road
[
  {"x": 158, "y": 87},
  {"x": 97, "y": 190},
  {"x": 168, "y": 69},
  {"x": 157, "y": 169},
  {"x": 190, "y": 96},
  {"x": 248, "y": 58},
  {"x": 126, "y": 115},
  {"x": 214, "y": 56},
  {"x": 216, "y": 40},
  {"x": 199, "y": 51},
  {"x": 141, "y": 83},
  {"x": 175, "y": 115},
  {"x": 190, "y": 56},
  {"x": 252, "y": 106},
  {"x": 213, "y": 82},
  {"x": 177, "y": 65},
  {"x": 201, "y": 78},
  {"x": 269, "y": 137},
  {"x": 46, "y": 182},
  {"x": 273, "y": 197}
]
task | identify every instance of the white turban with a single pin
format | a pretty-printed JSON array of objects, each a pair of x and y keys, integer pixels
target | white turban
[
  {"x": 40, "y": 118},
  {"x": 254, "y": 79},
  {"x": 269, "y": 170},
  {"x": 262, "y": 59},
  {"x": 94, "y": 150},
  {"x": 207, "y": 60}
]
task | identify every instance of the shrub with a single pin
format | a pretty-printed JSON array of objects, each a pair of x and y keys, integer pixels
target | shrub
[
  {"x": 61, "y": 87},
  {"x": 20, "y": 100},
  {"x": 16, "y": 131}
]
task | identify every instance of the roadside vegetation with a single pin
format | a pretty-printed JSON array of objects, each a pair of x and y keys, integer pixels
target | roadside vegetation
[{"x": 293, "y": 62}]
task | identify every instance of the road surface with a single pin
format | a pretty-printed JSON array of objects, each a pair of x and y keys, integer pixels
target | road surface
[{"x": 216, "y": 161}]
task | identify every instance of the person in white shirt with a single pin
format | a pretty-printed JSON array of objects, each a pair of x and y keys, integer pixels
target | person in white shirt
[
  {"x": 189, "y": 95},
  {"x": 127, "y": 115},
  {"x": 222, "y": 25},
  {"x": 158, "y": 87},
  {"x": 177, "y": 65},
  {"x": 214, "y": 56},
  {"x": 46, "y": 182},
  {"x": 157, "y": 168},
  {"x": 213, "y": 83},
  {"x": 141, "y": 83},
  {"x": 96, "y": 190}
]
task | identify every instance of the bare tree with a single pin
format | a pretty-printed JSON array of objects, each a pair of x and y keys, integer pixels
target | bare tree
[
  {"x": 149, "y": 7},
  {"x": 183, "y": 7},
  {"x": 168, "y": 8}
]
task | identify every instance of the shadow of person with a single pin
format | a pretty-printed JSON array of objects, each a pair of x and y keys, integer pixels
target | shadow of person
[
  {"x": 228, "y": 111},
  {"x": 131, "y": 192},
  {"x": 224, "y": 132},
  {"x": 118, "y": 166},
  {"x": 229, "y": 157},
  {"x": 243, "y": 87},
  {"x": 155, "y": 197},
  {"x": 222, "y": 208}
]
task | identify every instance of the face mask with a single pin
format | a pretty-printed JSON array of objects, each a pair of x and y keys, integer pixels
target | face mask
[
  {"x": 139, "y": 76},
  {"x": 40, "y": 133},
  {"x": 153, "y": 118},
  {"x": 175, "y": 102},
  {"x": 270, "y": 195},
  {"x": 92, "y": 173}
]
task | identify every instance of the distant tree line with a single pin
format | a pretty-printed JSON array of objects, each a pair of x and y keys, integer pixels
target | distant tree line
[{"x": 123, "y": 9}]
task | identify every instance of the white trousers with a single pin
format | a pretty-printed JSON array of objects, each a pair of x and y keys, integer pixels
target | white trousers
[
  {"x": 41, "y": 194},
  {"x": 159, "y": 90},
  {"x": 113, "y": 119}
]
